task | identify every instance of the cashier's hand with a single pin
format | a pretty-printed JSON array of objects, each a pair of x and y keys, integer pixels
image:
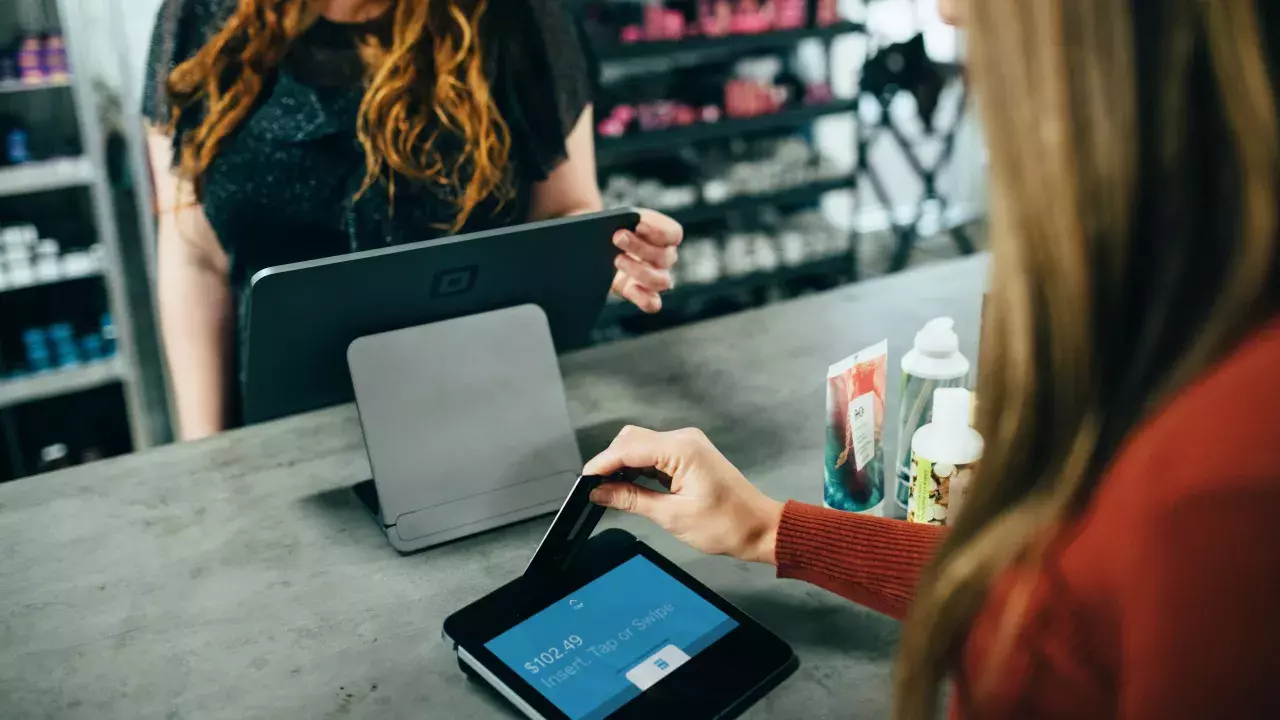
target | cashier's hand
[
  {"x": 644, "y": 265},
  {"x": 710, "y": 507}
]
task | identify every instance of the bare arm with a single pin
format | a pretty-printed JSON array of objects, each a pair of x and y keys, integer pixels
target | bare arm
[
  {"x": 194, "y": 299},
  {"x": 646, "y": 256},
  {"x": 572, "y": 188}
]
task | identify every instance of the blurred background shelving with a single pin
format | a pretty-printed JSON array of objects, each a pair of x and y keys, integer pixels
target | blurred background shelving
[
  {"x": 74, "y": 313},
  {"x": 717, "y": 123},
  {"x": 812, "y": 144}
]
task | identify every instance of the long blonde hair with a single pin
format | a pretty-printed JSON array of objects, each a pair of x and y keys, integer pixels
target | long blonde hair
[
  {"x": 1135, "y": 162},
  {"x": 431, "y": 79}
]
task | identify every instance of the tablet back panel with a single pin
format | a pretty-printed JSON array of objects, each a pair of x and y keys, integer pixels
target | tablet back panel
[
  {"x": 301, "y": 317},
  {"x": 465, "y": 423}
]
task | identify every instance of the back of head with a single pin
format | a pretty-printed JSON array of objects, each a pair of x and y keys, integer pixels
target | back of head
[{"x": 1135, "y": 159}]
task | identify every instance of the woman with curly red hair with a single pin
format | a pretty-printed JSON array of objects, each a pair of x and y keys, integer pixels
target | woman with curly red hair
[{"x": 286, "y": 130}]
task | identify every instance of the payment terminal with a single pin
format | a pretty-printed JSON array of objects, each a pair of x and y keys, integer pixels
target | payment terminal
[{"x": 605, "y": 627}]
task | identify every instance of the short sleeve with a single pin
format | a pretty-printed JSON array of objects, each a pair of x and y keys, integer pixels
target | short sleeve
[
  {"x": 182, "y": 27},
  {"x": 545, "y": 81},
  {"x": 568, "y": 63}
]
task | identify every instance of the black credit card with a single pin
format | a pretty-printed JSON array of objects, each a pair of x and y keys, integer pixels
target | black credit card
[{"x": 573, "y": 524}]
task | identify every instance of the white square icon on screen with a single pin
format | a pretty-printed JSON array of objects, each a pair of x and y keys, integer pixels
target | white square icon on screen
[{"x": 657, "y": 666}]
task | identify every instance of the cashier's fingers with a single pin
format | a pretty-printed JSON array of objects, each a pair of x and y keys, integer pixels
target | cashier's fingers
[
  {"x": 653, "y": 278},
  {"x": 658, "y": 229},
  {"x": 659, "y": 256},
  {"x": 642, "y": 297}
]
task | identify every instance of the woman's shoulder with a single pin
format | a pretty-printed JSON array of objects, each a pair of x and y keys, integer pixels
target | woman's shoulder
[
  {"x": 192, "y": 19},
  {"x": 1218, "y": 436},
  {"x": 544, "y": 85},
  {"x": 181, "y": 28}
]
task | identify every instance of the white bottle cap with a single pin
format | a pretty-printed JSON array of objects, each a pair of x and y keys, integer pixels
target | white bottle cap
[
  {"x": 53, "y": 453},
  {"x": 952, "y": 407},
  {"x": 938, "y": 339}
]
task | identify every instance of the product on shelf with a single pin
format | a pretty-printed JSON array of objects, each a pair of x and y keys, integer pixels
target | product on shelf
[
  {"x": 35, "y": 59},
  {"x": 53, "y": 58},
  {"x": 699, "y": 262},
  {"x": 791, "y": 241},
  {"x": 659, "y": 21},
  {"x": 29, "y": 68},
  {"x": 58, "y": 347},
  {"x": 37, "y": 346},
  {"x": 66, "y": 350},
  {"x": 27, "y": 260},
  {"x": 764, "y": 166},
  {"x": 627, "y": 191},
  {"x": 742, "y": 88},
  {"x": 17, "y": 146},
  {"x": 54, "y": 457}
]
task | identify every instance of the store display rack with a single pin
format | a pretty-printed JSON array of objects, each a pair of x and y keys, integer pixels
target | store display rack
[
  {"x": 9, "y": 87},
  {"x": 690, "y": 299},
  {"x": 661, "y": 143},
  {"x": 807, "y": 193},
  {"x": 729, "y": 44},
  {"x": 85, "y": 173},
  {"x": 613, "y": 152}
]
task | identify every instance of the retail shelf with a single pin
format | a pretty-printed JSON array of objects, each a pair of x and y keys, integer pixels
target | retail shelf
[
  {"x": 9, "y": 87},
  {"x": 808, "y": 192},
  {"x": 686, "y": 296},
  {"x": 29, "y": 388},
  {"x": 727, "y": 44},
  {"x": 46, "y": 175},
  {"x": 611, "y": 151},
  {"x": 7, "y": 287}
]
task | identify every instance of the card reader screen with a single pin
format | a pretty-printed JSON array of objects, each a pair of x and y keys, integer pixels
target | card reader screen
[{"x": 593, "y": 651}]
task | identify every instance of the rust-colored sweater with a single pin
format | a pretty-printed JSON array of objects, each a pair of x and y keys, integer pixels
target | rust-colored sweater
[{"x": 1161, "y": 601}]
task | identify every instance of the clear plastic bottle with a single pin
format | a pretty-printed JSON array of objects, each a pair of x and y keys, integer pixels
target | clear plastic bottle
[
  {"x": 934, "y": 362},
  {"x": 944, "y": 454}
]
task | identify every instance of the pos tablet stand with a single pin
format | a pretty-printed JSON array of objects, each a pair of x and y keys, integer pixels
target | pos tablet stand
[{"x": 465, "y": 423}]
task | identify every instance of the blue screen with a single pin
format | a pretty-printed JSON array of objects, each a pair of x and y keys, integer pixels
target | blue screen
[{"x": 593, "y": 651}]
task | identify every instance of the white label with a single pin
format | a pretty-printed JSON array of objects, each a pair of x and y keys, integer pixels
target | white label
[
  {"x": 660, "y": 665},
  {"x": 862, "y": 419}
]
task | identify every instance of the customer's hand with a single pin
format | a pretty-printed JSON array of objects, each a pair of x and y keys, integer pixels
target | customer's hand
[
  {"x": 711, "y": 506},
  {"x": 644, "y": 265}
]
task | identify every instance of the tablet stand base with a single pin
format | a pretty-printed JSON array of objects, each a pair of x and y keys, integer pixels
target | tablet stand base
[{"x": 466, "y": 425}]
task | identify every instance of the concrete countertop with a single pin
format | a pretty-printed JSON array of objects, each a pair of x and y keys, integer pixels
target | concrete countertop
[{"x": 239, "y": 577}]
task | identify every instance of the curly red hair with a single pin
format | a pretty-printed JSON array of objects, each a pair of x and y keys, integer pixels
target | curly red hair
[{"x": 429, "y": 80}]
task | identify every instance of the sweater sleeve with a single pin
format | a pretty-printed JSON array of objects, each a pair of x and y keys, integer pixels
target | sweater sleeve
[{"x": 870, "y": 560}]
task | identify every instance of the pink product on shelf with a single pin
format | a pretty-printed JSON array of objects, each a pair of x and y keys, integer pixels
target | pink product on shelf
[
  {"x": 715, "y": 17},
  {"x": 789, "y": 14},
  {"x": 53, "y": 59},
  {"x": 750, "y": 98},
  {"x": 710, "y": 113},
  {"x": 658, "y": 23},
  {"x": 818, "y": 94},
  {"x": 625, "y": 113},
  {"x": 663, "y": 114},
  {"x": 750, "y": 19},
  {"x": 617, "y": 123},
  {"x": 611, "y": 127},
  {"x": 675, "y": 25},
  {"x": 29, "y": 68},
  {"x": 655, "y": 14},
  {"x": 828, "y": 12}
]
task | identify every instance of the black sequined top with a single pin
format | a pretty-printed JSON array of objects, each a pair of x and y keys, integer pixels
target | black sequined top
[{"x": 283, "y": 186}]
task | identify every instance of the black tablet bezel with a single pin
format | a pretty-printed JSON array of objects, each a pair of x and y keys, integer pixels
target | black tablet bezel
[{"x": 719, "y": 682}]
